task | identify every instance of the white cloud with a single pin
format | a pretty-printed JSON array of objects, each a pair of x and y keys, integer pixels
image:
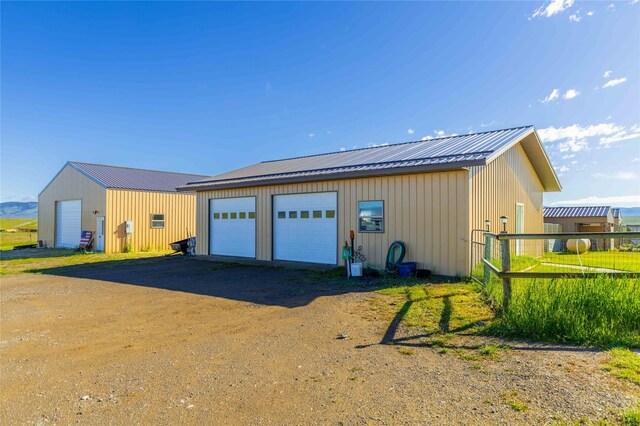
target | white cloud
[
  {"x": 311, "y": 135},
  {"x": 373, "y": 145},
  {"x": 590, "y": 13},
  {"x": 555, "y": 94},
  {"x": 611, "y": 7},
  {"x": 568, "y": 156},
  {"x": 623, "y": 135},
  {"x": 614, "y": 82},
  {"x": 342, "y": 148},
  {"x": 617, "y": 175},
  {"x": 622, "y": 201},
  {"x": 562, "y": 169},
  {"x": 606, "y": 74},
  {"x": 575, "y": 18},
  {"x": 576, "y": 132},
  {"x": 552, "y": 8},
  {"x": 426, "y": 138},
  {"x": 411, "y": 131},
  {"x": 439, "y": 133},
  {"x": 570, "y": 94},
  {"x": 573, "y": 146}
]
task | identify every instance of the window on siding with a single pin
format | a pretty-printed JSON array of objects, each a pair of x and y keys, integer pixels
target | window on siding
[
  {"x": 252, "y": 215},
  {"x": 293, "y": 214},
  {"x": 157, "y": 221},
  {"x": 330, "y": 214},
  {"x": 225, "y": 215},
  {"x": 304, "y": 214},
  {"x": 370, "y": 216},
  {"x": 234, "y": 215},
  {"x": 282, "y": 215},
  {"x": 243, "y": 215},
  {"x": 317, "y": 214},
  {"x": 216, "y": 215}
]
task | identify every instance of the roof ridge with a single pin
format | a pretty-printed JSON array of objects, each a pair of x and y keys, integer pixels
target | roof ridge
[
  {"x": 133, "y": 168},
  {"x": 398, "y": 144}
]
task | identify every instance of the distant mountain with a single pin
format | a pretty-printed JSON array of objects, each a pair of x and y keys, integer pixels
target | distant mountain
[
  {"x": 630, "y": 211},
  {"x": 15, "y": 210}
]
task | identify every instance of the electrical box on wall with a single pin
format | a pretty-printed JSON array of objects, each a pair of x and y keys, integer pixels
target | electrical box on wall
[{"x": 128, "y": 227}]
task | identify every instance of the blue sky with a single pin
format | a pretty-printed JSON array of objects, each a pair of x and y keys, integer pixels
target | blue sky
[{"x": 209, "y": 87}]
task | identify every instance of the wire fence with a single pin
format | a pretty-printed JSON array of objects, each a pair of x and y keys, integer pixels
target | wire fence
[{"x": 555, "y": 254}]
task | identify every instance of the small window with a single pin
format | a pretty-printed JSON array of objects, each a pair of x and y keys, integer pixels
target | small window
[
  {"x": 317, "y": 214},
  {"x": 225, "y": 215},
  {"x": 252, "y": 215},
  {"x": 293, "y": 215},
  {"x": 157, "y": 221},
  {"x": 243, "y": 215},
  {"x": 304, "y": 214},
  {"x": 370, "y": 216},
  {"x": 216, "y": 215},
  {"x": 330, "y": 214},
  {"x": 282, "y": 215},
  {"x": 234, "y": 215}
]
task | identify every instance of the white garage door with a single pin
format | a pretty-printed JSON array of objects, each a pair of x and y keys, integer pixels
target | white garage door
[
  {"x": 233, "y": 227},
  {"x": 68, "y": 223},
  {"x": 305, "y": 227}
]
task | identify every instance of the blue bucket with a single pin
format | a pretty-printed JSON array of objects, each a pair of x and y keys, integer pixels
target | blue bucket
[{"x": 407, "y": 269}]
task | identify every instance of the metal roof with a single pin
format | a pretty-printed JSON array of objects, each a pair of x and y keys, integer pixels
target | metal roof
[
  {"x": 447, "y": 153},
  {"x": 586, "y": 211},
  {"x": 616, "y": 212},
  {"x": 137, "y": 179}
]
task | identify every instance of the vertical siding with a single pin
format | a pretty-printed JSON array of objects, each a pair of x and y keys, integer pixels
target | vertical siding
[
  {"x": 70, "y": 184},
  {"x": 123, "y": 205},
  {"x": 429, "y": 212},
  {"x": 498, "y": 186}
]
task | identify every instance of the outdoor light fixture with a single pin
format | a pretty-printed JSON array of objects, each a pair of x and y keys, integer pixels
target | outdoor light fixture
[
  {"x": 95, "y": 212},
  {"x": 504, "y": 219},
  {"x": 487, "y": 224}
]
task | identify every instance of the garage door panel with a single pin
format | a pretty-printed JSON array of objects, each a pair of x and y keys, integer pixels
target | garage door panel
[
  {"x": 68, "y": 223},
  {"x": 305, "y": 227},
  {"x": 233, "y": 227}
]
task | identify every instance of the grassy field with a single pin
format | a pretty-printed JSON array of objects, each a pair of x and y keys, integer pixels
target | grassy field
[
  {"x": 625, "y": 261},
  {"x": 35, "y": 260},
  {"x": 8, "y": 240}
]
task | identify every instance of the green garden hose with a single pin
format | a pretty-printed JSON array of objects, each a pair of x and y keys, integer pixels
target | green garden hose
[{"x": 392, "y": 262}]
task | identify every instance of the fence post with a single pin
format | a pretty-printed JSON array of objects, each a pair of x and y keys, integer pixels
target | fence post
[
  {"x": 487, "y": 255},
  {"x": 506, "y": 267}
]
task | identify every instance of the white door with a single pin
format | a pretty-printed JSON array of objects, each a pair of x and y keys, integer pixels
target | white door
[
  {"x": 99, "y": 239},
  {"x": 232, "y": 227},
  {"x": 519, "y": 228},
  {"x": 305, "y": 227},
  {"x": 68, "y": 223}
]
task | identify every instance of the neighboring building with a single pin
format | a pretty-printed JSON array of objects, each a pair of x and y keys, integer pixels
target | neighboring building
[
  {"x": 429, "y": 194},
  {"x": 617, "y": 216},
  {"x": 583, "y": 219},
  {"x": 98, "y": 198}
]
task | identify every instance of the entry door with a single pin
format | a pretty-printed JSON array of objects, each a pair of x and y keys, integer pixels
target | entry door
[
  {"x": 305, "y": 227},
  {"x": 519, "y": 228},
  {"x": 99, "y": 240},
  {"x": 233, "y": 227},
  {"x": 68, "y": 223}
]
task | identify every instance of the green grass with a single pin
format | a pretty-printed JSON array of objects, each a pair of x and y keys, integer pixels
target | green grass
[
  {"x": 440, "y": 308},
  {"x": 602, "y": 311},
  {"x": 624, "y": 364},
  {"x": 630, "y": 417},
  {"x": 6, "y": 223},
  {"x": 8, "y": 240},
  {"x": 56, "y": 258},
  {"x": 625, "y": 261}
]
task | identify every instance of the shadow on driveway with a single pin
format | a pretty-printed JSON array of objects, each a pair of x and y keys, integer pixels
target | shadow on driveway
[{"x": 255, "y": 284}]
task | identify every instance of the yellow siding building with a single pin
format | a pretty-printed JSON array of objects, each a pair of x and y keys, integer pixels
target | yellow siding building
[
  {"x": 105, "y": 199},
  {"x": 428, "y": 194}
]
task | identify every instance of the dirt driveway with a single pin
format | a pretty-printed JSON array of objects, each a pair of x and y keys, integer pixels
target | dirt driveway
[{"x": 177, "y": 340}]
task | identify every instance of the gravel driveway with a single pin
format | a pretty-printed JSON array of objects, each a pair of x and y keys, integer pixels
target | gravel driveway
[{"x": 178, "y": 340}]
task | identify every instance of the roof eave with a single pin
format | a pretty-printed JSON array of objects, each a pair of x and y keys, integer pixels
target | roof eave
[
  {"x": 537, "y": 156},
  {"x": 460, "y": 165}
]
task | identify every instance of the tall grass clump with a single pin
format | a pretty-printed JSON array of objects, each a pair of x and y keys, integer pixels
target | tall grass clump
[{"x": 602, "y": 311}]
